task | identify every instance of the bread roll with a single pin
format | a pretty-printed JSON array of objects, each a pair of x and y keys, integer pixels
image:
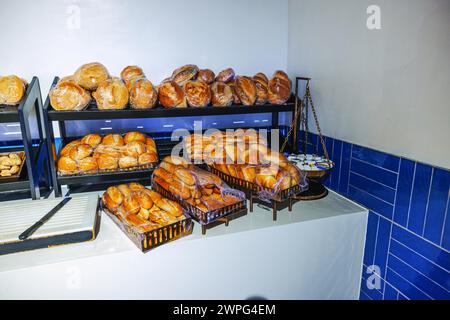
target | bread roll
[
  {"x": 145, "y": 201},
  {"x": 92, "y": 139},
  {"x": 135, "y": 149},
  {"x": 198, "y": 93},
  {"x": 68, "y": 147},
  {"x": 115, "y": 140},
  {"x": 179, "y": 189},
  {"x": 147, "y": 158},
  {"x": 128, "y": 162},
  {"x": 111, "y": 94},
  {"x": 12, "y": 90},
  {"x": 178, "y": 161},
  {"x": 171, "y": 207},
  {"x": 143, "y": 94},
  {"x": 67, "y": 165},
  {"x": 130, "y": 74},
  {"x": 89, "y": 76},
  {"x": 236, "y": 99},
  {"x": 151, "y": 145},
  {"x": 125, "y": 190},
  {"x": 80, "y": 152},
  {"x": 88, "y": 164},
  {"x": 171, "y": 95},
  {"x": 184, "y": 74},
  {"x": 279, "y": 88},
  {"x": 246, "y": 90},
  {"x": 163, "y": 174},
  {"x": 262, "y": 88},
  {"x": 131, "y": 205},
  {"x": 226, "y": 75},
  {"x": 153, "y": 194},
  {"x": 185, "y": 176},
  {"x": 107, "y": 162},
  {"x": 221, "y": 94},
  {"x": 168, "y": 167},
  {"x": 206, "y": 75},
  {"x": 112, "y": 198},
  {"x": 68, "y": 95}
]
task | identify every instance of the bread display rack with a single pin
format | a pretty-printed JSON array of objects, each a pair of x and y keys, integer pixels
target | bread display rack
[
  {"x": 93, "y": 113},
  {"x": 34, "y": 180}
]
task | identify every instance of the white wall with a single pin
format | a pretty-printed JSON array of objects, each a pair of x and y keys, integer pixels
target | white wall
[
  {"x": 388, "y": 89},
  {"x": 158, "y": 35}
]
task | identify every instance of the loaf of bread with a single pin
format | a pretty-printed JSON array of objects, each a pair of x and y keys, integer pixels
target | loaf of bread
[
  {"x": 68, "y": 95},
  {"x": 184, "y": 74},
  {"x": 130, "y": 74},
  {"x": 12, "y": 90},
  {"x": 226, "y": 75},
  {"x": 111, "y": 94},
  {"x": 171, "y": 95},
  {"x": 245, "y": 90},
  {"x": 206, "y": 75},
  {"x": 262, "y": 88},
  {"x": 279, "y": 88},
  {"x": 236, "y": 99},
  {"x": 221, "y": 94},
  {"x": 143, "y": 94},
  {"x": 198, "y": 93},
  {"x": 89, "y": 76}
]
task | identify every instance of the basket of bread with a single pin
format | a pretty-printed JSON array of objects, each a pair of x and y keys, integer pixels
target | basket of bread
[
  {"x": 148, "y": 218},
  {"x": 204, "y": 195},
  {"x": 11, "y": 165},
  {"x": 133, "y": 151}
]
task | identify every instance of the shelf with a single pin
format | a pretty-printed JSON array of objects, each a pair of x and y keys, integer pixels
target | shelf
[
  {"x": 9, "y": 114},
  {"x": 105, "y": 177}
]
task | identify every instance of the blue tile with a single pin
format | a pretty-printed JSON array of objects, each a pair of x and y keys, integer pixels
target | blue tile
[
  {"x": 424, "y": 248},
  {"x": 371, "y": 237},
  {"x": 402, "y": 297},
  {"x": 446, "y": 234},
  {"x": 404, "y": 189},
  {"x": 419, "y": 198},
  {"x": 372, "y": 294},
  {"x": 405, "y": 287},
  {"x": 374, "y": 188},
  {"x": 345, "y": 168},
  {"x": 390, "y": 293},
  {"x": 382, "y": 176},
  {"x": 377, "y": 158},
  {"x": 379, "y": 206},
  {"x": 381, "y": 250},
  {"x": 370, "y": 280},
  {"x": 420, "y": 281},
  {"x": 424, "y": 266},
  {"x": 363, "y": 296},
  {"x": 437, "y": 204},
  {"x": 335, "y": 174}
]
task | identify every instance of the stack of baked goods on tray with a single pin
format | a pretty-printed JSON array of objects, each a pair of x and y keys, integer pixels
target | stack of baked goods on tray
[
  {"x": 204, "y": 195},
  {"x": 12, "y": 90},
  {"x": 11, "y": 164},
  {"x": 188, "y": 86},
  {"x": 113, "y": 152},
  {"x": 243, "y": 160},
  {"x": 148, "y": 218}
]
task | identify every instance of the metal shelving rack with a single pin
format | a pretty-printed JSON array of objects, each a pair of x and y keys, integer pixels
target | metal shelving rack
[
  {"x": 34, "y": 181},
  {"x": 82, "y": 182}
]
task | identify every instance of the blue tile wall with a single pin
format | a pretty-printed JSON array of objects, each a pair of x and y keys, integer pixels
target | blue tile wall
[{"x": 408, "y": 229}]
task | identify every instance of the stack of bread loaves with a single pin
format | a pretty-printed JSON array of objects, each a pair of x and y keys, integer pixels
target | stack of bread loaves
[
  {"x": 93, "y": 153},
  {"x": 194, "y": 186},
  {"x": 10, "y": 164},
  {"x": 140, "y": 207},
  {"x": 12, "y": 90}
]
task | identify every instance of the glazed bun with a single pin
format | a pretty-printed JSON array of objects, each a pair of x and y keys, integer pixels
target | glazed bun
[
  {"x": 206, "y": 75},
  {"x": 80, "y": 152},
  {"x": 279, "y": 88},
  {"x": 171, "y": 95},
  {"x": 92, "y": 139},
  {"x": 143, "y": 94},
  {"x": 134, "y": 136},
  {"x": 226, "y": 75},
  {"x": 88, "y": 164},
  {"x": 68, "y": 95},
  {"x": 198, "y": 93},
  {"x": 246, "y": 90},
  {"x": 184, "y": 74},
  {"x": 115, "y": 140},
  {"x": 262, "y": 88},
  {"x": 130, "y": 74},
  {"x": 67, "y": 165},
  {"x": 89, "y": 76},
  {"x": 221, "y": 94},
  {"x": 111, "y": 94},
  {"x": 12, "y": 90},
  {"x": 107, "y": 162}
]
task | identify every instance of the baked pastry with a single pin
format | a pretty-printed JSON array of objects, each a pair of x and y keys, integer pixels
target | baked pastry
[
  {"x": 115, "y": 140},
  {"x": 147, "y": 158},
  {"x": 171, "y": 95},
  {"x": 151, "y": 145},
  {"x": 236, "y": 99},
  {"x": 221, "y": 94},
  {"x": 107, "y": 162},
  {"x": 130, "y": 74},
  {"x": 67, "y": 165},
  {"x": 92, "y": 139},
  {"x": 128, "y": 162},
  {"x": 80, "y": 152},
  {"x": 262, "y": 88},
  {"x": 135, "y": 136},
  {"x": 111, "y": 94},
  {"x": 12, "y": 90},
  {"x": 68, "y": 95},
  {"x": 112, "y": 199},
  {"x": 135, "y": 149},
  {"x": 184, "y": 74},
  {"x": 89, "y": 76},
  {"x": 68, "y": 147},
  {"x": 143, "y": 94},
  {"x": 279, "y": 88},
  {"x": 226, "y": 75},
  {"x": 206, "y": 75},
  {"x": 88, "y": 164},
  {"x": 246, "y": 90},
  {"x": 198, "y": 93}
]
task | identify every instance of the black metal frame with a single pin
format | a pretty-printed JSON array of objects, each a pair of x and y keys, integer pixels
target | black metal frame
[
  {"x": 92, "y": 113},
  {"x": 29, "y": 184}
]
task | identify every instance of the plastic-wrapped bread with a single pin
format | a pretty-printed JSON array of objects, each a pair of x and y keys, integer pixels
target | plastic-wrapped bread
[
  {"x": 206, "y": 75},
  {"x": 236, "y": 99},
  {"x": 198, "y": 93},
  {"x": 262, "y": 88},
  {"x": 90, "y": 75},
  {"x": 171, "y": 95},
  {"x": 130, "y": 74},
  {"x": 221, "y": 94},
  {"x": 143, "y": 94},
  {"x": 68, "y": 95},
  {"x": 245, "y": 90},
  {"x": 111, "y": 94},
  {"x": 279, "y": 88},
  {"x": 184, "y": 74},
  {"x": 12, "y": 90},
  {"x": 226, "y": 75}
]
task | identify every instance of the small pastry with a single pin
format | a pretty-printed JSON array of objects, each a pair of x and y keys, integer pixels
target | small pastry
[
  {"x": 67, "y": 165},
  {"x": 115, "y": 140},
  {"x": 128, "y": 162},
  {"x": 66, "y": 150},
  {"x": 147, "y": 158},
  {"x": 80, "y": 152},
  {"x": 107, "y": 162},
  {"x": 135, "y": 149},
  {"x": 88, "y": 164},
  {"x": 92, "y": 139}
]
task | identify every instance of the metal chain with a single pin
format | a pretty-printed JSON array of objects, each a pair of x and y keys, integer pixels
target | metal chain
[{"x": 292, "y": 127}]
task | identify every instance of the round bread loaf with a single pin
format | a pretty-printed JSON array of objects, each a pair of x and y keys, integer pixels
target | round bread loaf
[
  {"x": 67, "y": 165},
  {"x": 135, "y": 136},
  {"x": 92, "y": 139},
  {"x": 236, "y": 99},
  {"x": 135, "y": 148},
  {"x": 206, "y": 75},
  {"x": 80, "y": 152},
  {"x": 226, "y": 75},
  {"x": 89, "y": 76},
  {"x": 12, "y": 90},
  {"x": 68, "y": 95},
  {"x": 246, "y": 90},
  {"x": 221, "y": 94},
  {"x": 279, "y": 88},
  {"x": 262, "y": 88},
  {"x": 66, "y": 150},
  {"x": 171, "y": 95},
  {"x": 184, "y": 74},
  {"x": 111, "y": 94},
  {"x": 143, "y": 94},
  {"x": 198, "y": 93},
  {"x": 112, "y": 139},
  {"x": 130, "y": 74}
]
